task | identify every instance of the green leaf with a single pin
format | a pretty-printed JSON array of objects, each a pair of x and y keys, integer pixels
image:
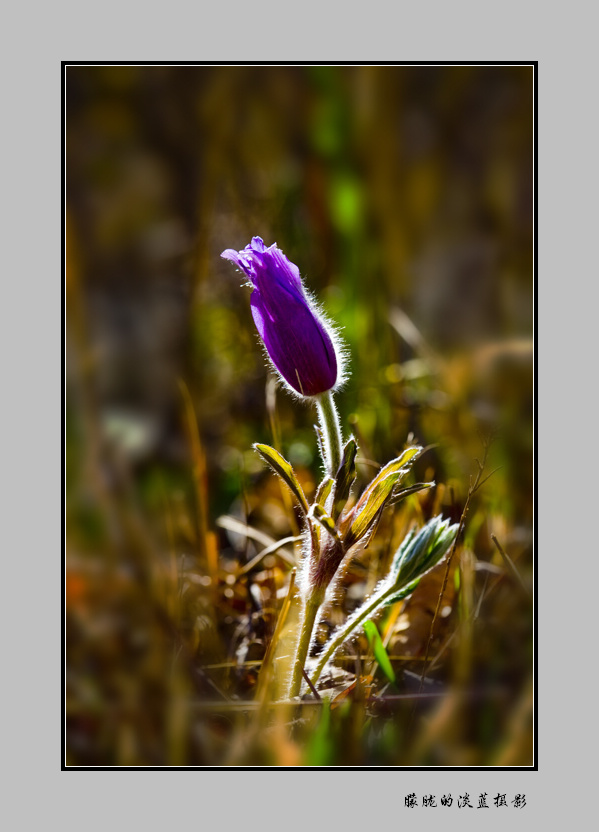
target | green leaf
[
  {"x": 345, "y": 476},
  {"x": 377, "y": 494},
  {"x": 378, "y": 648},
  {"x": 324, "y": 519},
  {"x": 283, "y": 468},
  {"x": 377, "y": 497},
  {"x": 324, "y": 489},
  {"x": 412, "y": 489}
]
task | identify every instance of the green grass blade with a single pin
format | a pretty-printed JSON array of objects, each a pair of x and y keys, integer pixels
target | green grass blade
[{"x": 378, "y": 648}]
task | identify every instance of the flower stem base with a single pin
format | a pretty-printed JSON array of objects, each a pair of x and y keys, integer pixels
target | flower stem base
[{"x": 309, "y": 617}]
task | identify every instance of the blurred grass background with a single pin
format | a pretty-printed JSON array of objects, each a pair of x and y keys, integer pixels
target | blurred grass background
[{"x": 405, "y": 196}]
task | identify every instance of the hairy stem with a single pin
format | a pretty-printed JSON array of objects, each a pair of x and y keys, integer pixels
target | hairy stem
[
  {"x": 344, "y": 632},
  {"x": 308, "y": 618},
  {"x": 331, "y": 430}
]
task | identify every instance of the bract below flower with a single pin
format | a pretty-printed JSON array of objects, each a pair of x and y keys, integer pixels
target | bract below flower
[{"x": 295, "y": 335}]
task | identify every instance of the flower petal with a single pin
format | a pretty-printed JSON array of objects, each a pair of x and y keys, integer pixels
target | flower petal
[
  {"x": 237, "y": 258},
  {"x": 294, "y": 334},
  {"x": 257, "y": 244},
  {"x": 299, "y": 347}
]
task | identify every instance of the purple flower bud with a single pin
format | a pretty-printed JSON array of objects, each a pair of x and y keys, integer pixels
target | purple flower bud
[{"x": 297, "y": 338}]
